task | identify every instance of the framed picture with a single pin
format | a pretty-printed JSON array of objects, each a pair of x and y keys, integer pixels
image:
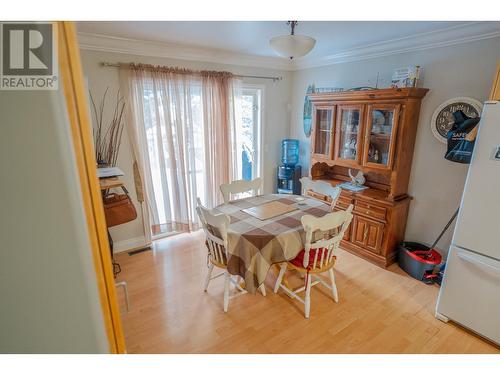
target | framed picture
[
  {"x": 442, "y": 119},
  {"x": 409, "y": 76}
]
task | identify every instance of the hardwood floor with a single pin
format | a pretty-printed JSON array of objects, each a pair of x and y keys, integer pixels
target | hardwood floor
[{"x": 379, "y": 311}]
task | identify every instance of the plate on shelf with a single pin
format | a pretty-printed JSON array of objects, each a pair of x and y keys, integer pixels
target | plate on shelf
[{"x": 378, "y": 117}]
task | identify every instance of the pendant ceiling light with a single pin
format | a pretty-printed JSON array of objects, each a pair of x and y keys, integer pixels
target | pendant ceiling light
[{"x": 292, "y": 45}]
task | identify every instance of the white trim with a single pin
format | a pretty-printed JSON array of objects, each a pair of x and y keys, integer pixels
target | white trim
[
  {"x": 262, "y": 88},
  {"x": 262, "y": 124},
  {"x": 106, "y": 43},
  {"x": 458, "y": 34},
  {"x": 129, "y": 244},
  {"x": 449, "y": 36}
]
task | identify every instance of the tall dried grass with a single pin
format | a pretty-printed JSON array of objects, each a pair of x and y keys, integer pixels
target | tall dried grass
[{"x": 107, "y": 136}]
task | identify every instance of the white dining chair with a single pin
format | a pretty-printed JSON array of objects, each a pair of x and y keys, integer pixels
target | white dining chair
[
  {"x": 240, "y": 186},
  {"x": 320, "y": 187},
  {"x": 318, "y": 255},
  {"x": 215, "y": 227}
]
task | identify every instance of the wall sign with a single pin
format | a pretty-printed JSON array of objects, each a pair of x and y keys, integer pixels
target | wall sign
[
  {"x": 442, "y": 119},
  {"x": 308, "y": 111}
]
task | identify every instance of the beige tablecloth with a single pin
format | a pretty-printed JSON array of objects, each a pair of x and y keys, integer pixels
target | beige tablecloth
[{"x": 254, "y": 244}]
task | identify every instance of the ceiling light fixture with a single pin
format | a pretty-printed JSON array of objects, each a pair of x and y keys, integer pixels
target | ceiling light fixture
[{"x": 292, "y": 45}]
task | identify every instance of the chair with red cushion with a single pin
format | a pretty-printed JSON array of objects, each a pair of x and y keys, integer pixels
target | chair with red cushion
[{"x": 323, "y": 236}]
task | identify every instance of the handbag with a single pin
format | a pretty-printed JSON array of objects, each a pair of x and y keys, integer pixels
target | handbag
[{"x": 118, "y": 208}]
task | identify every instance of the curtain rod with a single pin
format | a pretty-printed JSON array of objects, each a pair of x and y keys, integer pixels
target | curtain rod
[{"x": 117, "y": 65}]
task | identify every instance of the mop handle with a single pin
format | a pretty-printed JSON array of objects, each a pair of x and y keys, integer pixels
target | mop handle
[{"x": 445, "y": 228}]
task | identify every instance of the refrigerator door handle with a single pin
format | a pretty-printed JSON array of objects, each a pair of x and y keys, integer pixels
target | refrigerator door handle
[{"x": 470, "y": 259}]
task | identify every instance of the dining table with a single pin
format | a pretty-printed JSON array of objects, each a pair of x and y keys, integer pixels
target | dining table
[{"x": 254, "y": 244}]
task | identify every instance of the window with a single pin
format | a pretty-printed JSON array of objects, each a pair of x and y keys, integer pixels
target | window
[
  {"x": 249, "y": 135},
  {"x": 168, "y": 120}
]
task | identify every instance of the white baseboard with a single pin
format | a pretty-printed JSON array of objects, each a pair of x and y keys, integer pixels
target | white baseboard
[{"x": 129, "y": 244}]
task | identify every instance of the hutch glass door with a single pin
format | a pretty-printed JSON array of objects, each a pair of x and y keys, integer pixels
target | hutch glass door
[
  {"x": 380, "y": 135},
  {"x": 323, "y": 128},
  {"x": 348, "y": 136}
]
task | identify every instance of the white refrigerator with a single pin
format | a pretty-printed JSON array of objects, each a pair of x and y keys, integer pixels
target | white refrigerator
[{"x": 470, "y": 292}]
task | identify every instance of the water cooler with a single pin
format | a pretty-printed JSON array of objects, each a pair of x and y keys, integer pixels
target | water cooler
[{"x": 289, "y": 172}]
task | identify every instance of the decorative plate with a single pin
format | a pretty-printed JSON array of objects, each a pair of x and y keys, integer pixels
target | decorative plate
[
  {"x": 442, "y": 119},
  {"x": 378, "y": 117},
  {"x": 308, "y": 111}
]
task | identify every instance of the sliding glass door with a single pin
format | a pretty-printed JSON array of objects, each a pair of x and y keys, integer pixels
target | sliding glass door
[{"x": 176, "y": 133}]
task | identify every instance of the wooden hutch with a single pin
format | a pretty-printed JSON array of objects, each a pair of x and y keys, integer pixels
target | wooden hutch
[{"x": 372, "y": 131}]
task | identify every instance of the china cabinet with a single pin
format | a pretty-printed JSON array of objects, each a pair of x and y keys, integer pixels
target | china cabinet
[{"x": 372, "y": 131}]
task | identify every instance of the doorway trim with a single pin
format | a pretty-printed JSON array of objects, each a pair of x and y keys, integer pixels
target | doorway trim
[{"x": 70, "y": 70}]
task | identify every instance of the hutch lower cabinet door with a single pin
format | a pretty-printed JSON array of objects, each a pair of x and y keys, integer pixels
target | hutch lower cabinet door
[{"x": 367, "y": 233}]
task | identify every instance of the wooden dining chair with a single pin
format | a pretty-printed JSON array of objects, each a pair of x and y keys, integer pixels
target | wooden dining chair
[
  {"x": 215, "y": 227},
  {"x": 240, "y": 186},
  {"x": 320, "y": 187},
  {"x": 318, "y": 255}
]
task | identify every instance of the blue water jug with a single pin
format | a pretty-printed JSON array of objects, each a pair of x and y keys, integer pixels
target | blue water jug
[{"x": 290, "y": 151}]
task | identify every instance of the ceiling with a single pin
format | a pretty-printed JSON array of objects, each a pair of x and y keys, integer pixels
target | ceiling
[{"x": 251, "y": 38}]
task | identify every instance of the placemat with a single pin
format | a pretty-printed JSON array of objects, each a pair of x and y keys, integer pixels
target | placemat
[{"x": 269, "y": 210}]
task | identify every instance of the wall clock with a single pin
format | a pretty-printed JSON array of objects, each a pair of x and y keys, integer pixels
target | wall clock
[
  {"x": 308, "y": 111},
  {"x": 442, "y": 119}
]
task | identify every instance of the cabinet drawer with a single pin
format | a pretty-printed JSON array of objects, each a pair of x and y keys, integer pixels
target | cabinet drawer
[
  {"x": 321, "y": 197},
  {"x": 344, "y": 202},
  {"x": 370, "y": 210}
]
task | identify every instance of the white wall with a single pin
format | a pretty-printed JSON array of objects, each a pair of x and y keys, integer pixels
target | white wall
[
  {"x": 49, "y": 300},
  {"x": 276, "y": 119},
  {"x": 436, "y": 184}
]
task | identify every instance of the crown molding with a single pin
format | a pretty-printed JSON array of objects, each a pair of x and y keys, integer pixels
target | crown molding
[
  {"x": 106, "y": 43},
  {"x": 458, "y": 34}
]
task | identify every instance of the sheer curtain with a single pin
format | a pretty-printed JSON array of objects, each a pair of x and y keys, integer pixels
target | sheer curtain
[{"x": 183, "y": 128}]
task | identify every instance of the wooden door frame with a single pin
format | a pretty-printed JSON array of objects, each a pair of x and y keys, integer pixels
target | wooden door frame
[
  {"x": 71, "y": 76},
  {"x": 495, "y": 88}
]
